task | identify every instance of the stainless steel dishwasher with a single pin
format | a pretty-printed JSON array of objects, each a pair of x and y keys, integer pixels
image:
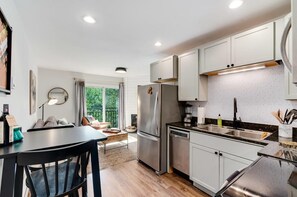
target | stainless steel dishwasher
[{"x": 179, "y": 149}]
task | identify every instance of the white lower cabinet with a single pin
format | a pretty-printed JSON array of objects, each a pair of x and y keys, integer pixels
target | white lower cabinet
[
  {"x": 229, "y": 164},
  {"x": 204, "y": 167},
  {"x": 213, "y": 159}
]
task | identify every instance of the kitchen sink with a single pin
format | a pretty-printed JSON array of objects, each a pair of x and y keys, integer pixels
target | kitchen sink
[
  {"x": 257, "y": 135},
  {"x": 242, "y": 133},
  {"x": 212, "y": 128}
]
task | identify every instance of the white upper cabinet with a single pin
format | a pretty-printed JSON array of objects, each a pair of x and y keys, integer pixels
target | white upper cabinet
[
  {"x": 253, "y": 46},
  {"x": 164, "y": 70},
  {"x": 250, "y": 47},
  {"x": 279, "y": 29},
  {"x": 215, "y": 56},
  {"x": 191, "y": 86}
]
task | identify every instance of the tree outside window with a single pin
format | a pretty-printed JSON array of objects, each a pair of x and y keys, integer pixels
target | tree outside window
[{"x": 103, "y": 104}]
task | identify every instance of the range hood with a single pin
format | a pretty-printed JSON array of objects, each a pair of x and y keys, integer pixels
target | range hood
[{"x": 291, "y": 25}]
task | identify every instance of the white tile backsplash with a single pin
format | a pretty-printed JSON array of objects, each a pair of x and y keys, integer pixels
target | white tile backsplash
[{"x": 258, "y": 93}]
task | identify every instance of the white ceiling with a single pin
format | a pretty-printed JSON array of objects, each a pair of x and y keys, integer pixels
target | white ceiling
[{"x": 126, "y": 30}]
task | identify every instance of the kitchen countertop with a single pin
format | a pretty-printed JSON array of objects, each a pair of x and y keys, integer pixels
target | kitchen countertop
[
  {"x": 266, "y": 177},
  {"x": 272, "y": 143},
  {"x": 217, "y": 133},
  {"x": 275, "y": 150},
  {"x": 271, "y": 172}
]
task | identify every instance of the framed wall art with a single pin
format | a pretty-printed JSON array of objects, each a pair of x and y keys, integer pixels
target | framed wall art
[
  {"x": 5, "y": 54},
  {"x": 32, "y": 92}
]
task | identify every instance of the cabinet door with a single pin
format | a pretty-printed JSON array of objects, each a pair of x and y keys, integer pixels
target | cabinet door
[
  {"x": 165, "y": 69},
  {"x": 229, "y": 164},
  {"x": 279, "y": 29},
  {"x": 204, "y": 167},
  {"x": 215, "y": 56},
  {"x": 253, "y": 46},
  {"x": 290, "y": 87},
  {"x": 188, "y": 76},
  {"x": 154, "y": 72}
]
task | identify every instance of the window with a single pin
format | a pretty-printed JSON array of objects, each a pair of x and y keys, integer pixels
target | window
[{"x": 103, "y": 104}]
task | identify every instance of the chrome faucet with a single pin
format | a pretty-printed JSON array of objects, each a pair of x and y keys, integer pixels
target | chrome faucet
[{"x": 236, "y": 123}]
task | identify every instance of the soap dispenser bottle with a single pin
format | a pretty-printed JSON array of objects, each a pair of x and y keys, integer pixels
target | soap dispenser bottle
[{"x": 219, "y": 121}]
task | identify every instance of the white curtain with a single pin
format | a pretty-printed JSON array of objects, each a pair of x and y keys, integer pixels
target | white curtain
[
  {"x": 80, "y": 102},
  {"x": 121, "y": 106}
]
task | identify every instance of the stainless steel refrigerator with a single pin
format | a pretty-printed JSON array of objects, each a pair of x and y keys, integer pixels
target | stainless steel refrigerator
[{"x": 157, "y": 105}]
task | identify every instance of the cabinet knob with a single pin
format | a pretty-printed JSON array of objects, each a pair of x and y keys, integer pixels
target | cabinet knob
[
  {"x": 216, "y": 152},
  {"x": 228, "y": 66},
  {"x": 232, "y": 65},
  {"x": 196, "y": 99},
  {"x": 221, "y": 154}
]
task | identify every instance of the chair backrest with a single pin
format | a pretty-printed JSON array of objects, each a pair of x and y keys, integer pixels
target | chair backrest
[{"x": 63, "y": 170}]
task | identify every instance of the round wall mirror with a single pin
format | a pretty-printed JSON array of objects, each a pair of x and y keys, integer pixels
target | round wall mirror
[{"x": 59, "y": 93}]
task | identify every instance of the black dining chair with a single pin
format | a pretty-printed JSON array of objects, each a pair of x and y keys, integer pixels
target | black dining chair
[{"x": 56, "y": 178}]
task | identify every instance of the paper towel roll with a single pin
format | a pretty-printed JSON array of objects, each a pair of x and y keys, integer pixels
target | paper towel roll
[{"x": 200, "y": 115}]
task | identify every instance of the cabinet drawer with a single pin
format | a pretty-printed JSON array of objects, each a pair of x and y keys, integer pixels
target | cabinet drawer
[{"x": 235, "y": 147}]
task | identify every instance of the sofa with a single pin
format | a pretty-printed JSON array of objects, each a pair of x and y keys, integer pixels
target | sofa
[{"x": 51, "y": 123}]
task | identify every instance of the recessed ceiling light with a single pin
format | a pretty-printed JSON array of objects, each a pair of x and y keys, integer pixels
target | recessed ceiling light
[
  {"x": 89, "y": 19},
  {"x": 158, "y": 44},
  {"x": 235, "y": 4}
]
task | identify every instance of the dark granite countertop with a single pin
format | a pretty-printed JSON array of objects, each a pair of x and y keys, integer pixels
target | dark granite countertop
[
  {"x": 274, "y": 174},
  {"x": 266, "y": 177},
  {"x": 272, "y": 143},
  {"x": 275, "y": 150},
  {"x": 214, "y": 130}
]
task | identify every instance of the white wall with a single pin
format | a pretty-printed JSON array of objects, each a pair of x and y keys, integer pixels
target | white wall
[
  {"x": 131, "y": 84},
  {"x": 48, "y": 79},
  {"x": 258, "y": 93},
  {"x": 21, "y": 64}
]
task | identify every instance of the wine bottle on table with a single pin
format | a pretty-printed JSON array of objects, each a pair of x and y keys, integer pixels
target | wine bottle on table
[
  {"x": 2, "y": 119},
  {"x": 4, "y": 133}
]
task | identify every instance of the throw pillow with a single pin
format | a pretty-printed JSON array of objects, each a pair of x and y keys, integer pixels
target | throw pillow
[
  {"x": 62, "y": 121},
  {"x": 51, "y": 119},
  {"x": 39, "y": 124},
  {"x": 50, "y": 124}
]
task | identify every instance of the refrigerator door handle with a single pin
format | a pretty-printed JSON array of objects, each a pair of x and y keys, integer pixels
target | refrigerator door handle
[
  {"x": 155, "y": 114},
  {"x": 147, "y": 137},
  {"x": 283, "y": 46}
]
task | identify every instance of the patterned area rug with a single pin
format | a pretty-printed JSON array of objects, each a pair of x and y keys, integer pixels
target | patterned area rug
[{"x": 117, "y": 152}]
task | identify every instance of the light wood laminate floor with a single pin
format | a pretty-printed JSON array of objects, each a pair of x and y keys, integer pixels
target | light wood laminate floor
[{"x": 135, "y": 179}]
